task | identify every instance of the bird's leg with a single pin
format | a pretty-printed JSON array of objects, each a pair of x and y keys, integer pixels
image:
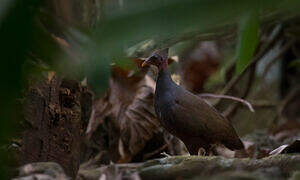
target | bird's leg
[{"x": 201, "y": 152}]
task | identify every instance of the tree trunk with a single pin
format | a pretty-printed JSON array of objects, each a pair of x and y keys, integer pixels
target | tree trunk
[{"x": 56, "y": 111}]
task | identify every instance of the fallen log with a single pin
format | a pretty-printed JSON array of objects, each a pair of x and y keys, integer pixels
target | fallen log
[{"x": 186, "y": 167}]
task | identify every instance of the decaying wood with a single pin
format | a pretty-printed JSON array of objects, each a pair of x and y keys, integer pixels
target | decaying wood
[{"x": 56, "y": 111}]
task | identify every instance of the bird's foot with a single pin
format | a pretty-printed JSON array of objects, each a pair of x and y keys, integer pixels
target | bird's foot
[
  {"x": 165, "y": 154},
  {"x": 201, "y": 152}
]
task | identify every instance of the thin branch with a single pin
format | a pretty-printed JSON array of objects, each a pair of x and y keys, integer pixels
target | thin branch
[
  {"x": 233, "y": 108},
  {"x": 204, "y": 95}
]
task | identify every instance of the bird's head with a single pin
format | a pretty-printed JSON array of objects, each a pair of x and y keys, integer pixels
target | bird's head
[{"x": 158, "y": 58}]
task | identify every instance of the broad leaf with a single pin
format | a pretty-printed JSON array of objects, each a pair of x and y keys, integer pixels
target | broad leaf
[{"x": 247, "y": 40}]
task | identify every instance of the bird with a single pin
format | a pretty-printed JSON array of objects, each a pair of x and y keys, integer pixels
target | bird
[{"x": 187, "y": 116}]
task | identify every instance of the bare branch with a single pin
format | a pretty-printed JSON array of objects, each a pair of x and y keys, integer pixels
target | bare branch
[{"x": 231, "y": 110}]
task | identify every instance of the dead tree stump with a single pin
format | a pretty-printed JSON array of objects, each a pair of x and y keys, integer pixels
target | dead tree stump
[{"x": 55, "y": 111}]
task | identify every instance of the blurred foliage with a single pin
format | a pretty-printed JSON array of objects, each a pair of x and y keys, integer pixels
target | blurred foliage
[
  {"x": 156, "y": 23},
  {"x": 90, "y": 62},
  {"x": 16, "y": 33},
  {"x": 248, "y": 38},
  {"x": 166, "y": 22}
]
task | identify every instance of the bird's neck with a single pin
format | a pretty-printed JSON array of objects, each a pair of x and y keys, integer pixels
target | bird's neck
[
  {"x": 164, "y": 74},
  {"x": 163, "y": 66},
  {"x": 164, "y": 81}
]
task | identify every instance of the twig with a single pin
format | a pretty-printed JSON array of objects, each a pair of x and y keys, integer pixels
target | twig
[
  {"x": 233, "y": 108},
  {"x": 228, "y": 97}
]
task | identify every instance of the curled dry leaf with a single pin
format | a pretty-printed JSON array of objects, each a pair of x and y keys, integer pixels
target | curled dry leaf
[
  {"x": 126, "y": 114},
  {"x": 138, "y": 122},
  {"x": 278, "y": 150},
  {"x": 292, "y": 148}
]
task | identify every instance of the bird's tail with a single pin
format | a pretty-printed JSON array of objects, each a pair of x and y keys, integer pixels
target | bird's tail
[{"x": 234, "y": 144}]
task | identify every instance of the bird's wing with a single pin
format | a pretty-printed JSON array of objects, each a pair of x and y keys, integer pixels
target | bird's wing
[{"x": 197, "y": 118}]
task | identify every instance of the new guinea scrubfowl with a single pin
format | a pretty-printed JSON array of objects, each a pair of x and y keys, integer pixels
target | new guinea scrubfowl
[{"x": 187, "y": 116}]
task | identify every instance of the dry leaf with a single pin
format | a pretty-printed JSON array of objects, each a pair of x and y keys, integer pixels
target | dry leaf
[
  {"x": 199, "y": 65},
  {"x": 292, "y": 148},
  {"x": 126, "y": 114},
  {"x": 278, "y": 150},
  {"x": 138, "y": 122}
]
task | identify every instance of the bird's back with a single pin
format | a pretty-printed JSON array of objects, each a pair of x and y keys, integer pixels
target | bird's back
[
  {"x": 190, "y": 118},
  {"x": 201, "y": 119}
]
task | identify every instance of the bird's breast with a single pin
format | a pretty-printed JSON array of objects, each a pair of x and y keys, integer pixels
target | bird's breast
[{"x": 165, "y": 115}]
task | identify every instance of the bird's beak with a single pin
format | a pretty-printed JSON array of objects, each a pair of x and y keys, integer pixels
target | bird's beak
[{"x": 146, "y": 62}]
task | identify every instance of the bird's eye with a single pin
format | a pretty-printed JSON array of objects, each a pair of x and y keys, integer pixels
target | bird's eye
[{"x": 159, "y": 58}]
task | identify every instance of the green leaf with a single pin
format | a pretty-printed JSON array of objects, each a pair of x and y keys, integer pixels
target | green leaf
[{"x": 248, "y": 37}]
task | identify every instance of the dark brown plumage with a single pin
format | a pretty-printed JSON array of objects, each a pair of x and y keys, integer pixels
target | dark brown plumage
[{"x": 186, "y": 115}]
